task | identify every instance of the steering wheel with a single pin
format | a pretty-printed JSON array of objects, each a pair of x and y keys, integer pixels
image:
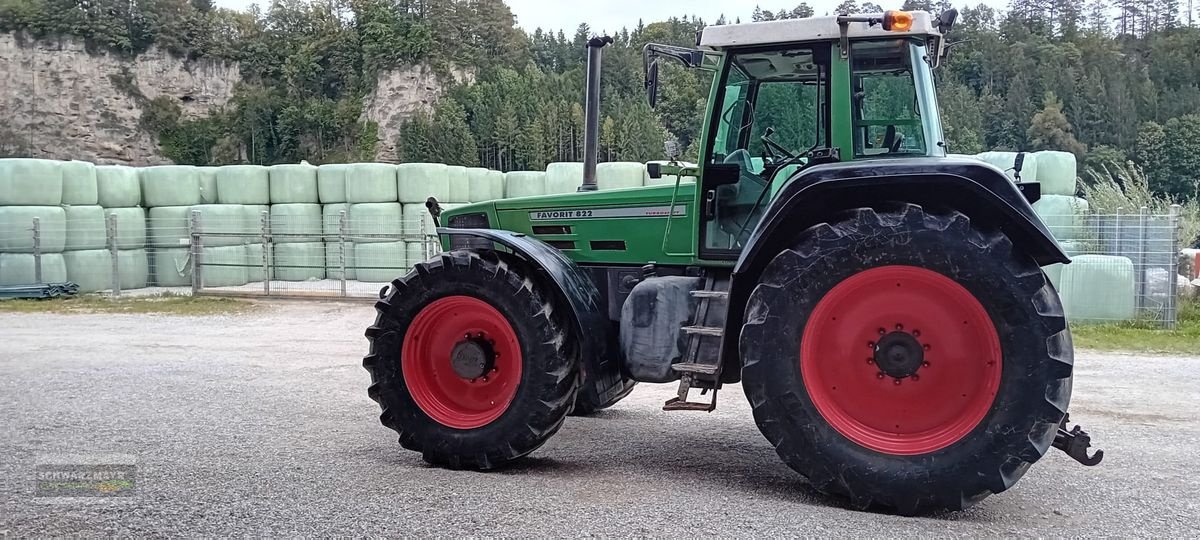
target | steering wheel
[{"x": 772, "y": 147}]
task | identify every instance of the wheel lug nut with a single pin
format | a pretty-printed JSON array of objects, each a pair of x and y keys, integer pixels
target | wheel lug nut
[
  {"x": 916, "y": 333},
  {"x": 899, "y": 327},
  {"x": 915, "y": 377},
  {"x": 924, "y": 364},
  {"x": 927, "y": 347},
  {"x": 871, "y": 344},
  {"x": 879, "y": 375},
  {"x": 882, "y": 331},
  {"x": 896, "y": 382},
  {"x": 870, "y": 360},
  {"x": 485, "y": 378},
  {"x": 467, "y": 336}
]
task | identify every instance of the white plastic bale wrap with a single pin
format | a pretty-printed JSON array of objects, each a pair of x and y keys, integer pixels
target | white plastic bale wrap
[
  {"x": 415, "y": 253},
  {"x": 223, "y": 266},
  {"x": 480, "y": 187},
  {"x": 417, "y": 219},
  {"x": 1056, "y": 172},
  {"x": 1064, "y": 215},
  {"x": 331, "y": 183},
  {"x": 331, "y": 219},
  {"x": 366, "y": 219},
  {"x": 133, "y": 269},
  {"x": 1006, "y": 161},
  {"x": 167, "y": 226},
  {"x": 79, "y": 183},
  {"x": 563, "y": 177},
  {"x": 171, "y": 267},
  {"x": 255, "y": 272},
  {"x": 20, "y": 269},
  {"x": 416, "y": 182},
  {"x": 170, "y": 185},
  {"x": 243, "y": 184},
  {"x": 1098, "y": 288},
  {"x": 620, "y": 175},
  {"x": 131, "y": 227},
  {"x": 496, "y": 185},
  {"x": 117, "y": 186},
  {"x": 90, "y": 269},
  {"x": 293, "y": 183},
  {"x": 380, "y": 263},
  {"x": 208, "y": 185},
  {"x": 666, "y": 179},
  {"x": 300, "y": 261},
  {"x": 460, "y": 184},
  {"x": 225, "y": 219},
  {"x": 336, "y": 255},
  {"x": 30, "y": 182},
  {"x": 524, "y": 184},
  {"x": 1054, "y": 274},
  {"x": 371, "y": 183},
  {"x": 16, "y": 228},
  {"x": 86, "y": 229},
  {"x": 296, "y": 218}
]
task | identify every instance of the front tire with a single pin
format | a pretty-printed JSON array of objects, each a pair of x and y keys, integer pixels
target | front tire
[
  {"x": 470, "y": 363},
  {"x": 906, "y": 360}
]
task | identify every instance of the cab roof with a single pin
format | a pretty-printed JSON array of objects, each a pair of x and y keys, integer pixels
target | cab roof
[{"x": 809, "y": 29}]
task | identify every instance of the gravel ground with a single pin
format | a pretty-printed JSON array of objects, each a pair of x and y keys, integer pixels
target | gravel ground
[{"x": 259, "y": 424}]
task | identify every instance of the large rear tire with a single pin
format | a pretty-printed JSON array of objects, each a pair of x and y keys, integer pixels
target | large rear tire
[
  {"x": 470, "y": 363},
  {"x": 906, "y": 360}
]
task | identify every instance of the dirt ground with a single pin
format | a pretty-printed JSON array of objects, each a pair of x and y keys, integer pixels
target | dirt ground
[{"x": 259, "y": 424}]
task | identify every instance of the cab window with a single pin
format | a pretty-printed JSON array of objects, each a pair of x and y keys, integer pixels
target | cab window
[{"x": 887, "y": 114}]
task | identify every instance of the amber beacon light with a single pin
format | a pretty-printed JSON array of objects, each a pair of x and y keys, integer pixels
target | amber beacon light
[{"x": 897, "y": 21}]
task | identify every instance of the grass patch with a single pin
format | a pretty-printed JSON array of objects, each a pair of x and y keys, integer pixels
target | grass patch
[
  {"x": 1138, "y": 336},
  {"x": 163, "y": 304}
]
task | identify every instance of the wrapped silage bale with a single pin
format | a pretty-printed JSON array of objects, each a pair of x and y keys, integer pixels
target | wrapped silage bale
[
  {"x": 416, "y": 182},
  {"x": 1056, "y": 171},
  {"x": 479, "y": 187},
  {"x": 133, "y": 268},
  {"x": 223, "y": 266},
  {"x": 228, "y": 219},
  {"x": 243, "y": 184},
  {"x": 208, "y": 185},
  {"x": 16, "y": 228},
  {"x": 20, "y": 268},
  {"x": 170, "y": 185},
  {"x": 293, "y": 183},
  {"x": 293, "y": 219},
  {"x": 380, "y": 263},
  {"x": 167, "y": 226},
  {"x": 171, "y": 267},
  {"x": 619, "y": 175},
  {"x": 255, "y": 271},
  {"x": 30, "y": 182},
  {"x": 418, "y": 220},
  {"x": 524, "y": 184},
  {"x": 86, "y": 228},
  {"x": 415, "y": 253},
  {"x": 79, "y": 183},
  {"x": 1007, "y": 161},
  {"x": 300, "y": 261},
  {"x": 118, "y": 186},
  {"x": 666, "y": 179},
  {"x": 1098, "y": 288},
  {"x": 460, "y": 184},
  {"x": 1064, "y": 215},
  {"x": 563, "y": 177},
  {"x": 495, "y": 180},
  {"x": 376, "y": 219},
  {"x": 964, "y": 156},
  {"x": 371, "y": 183},
  {"x": 90, "y": 269},
  {"x": 331, "y": 183},
  {"x": 131, "y": 227},
  {"x": 331, "y": 219},
  {"x": 1075, "y": 247},
  {"x": 1054, "y": 274},
  {"x": 338, "y": 254}
]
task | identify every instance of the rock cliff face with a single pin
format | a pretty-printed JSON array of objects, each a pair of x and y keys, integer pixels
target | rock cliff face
[{"x": 60, "y": 101}]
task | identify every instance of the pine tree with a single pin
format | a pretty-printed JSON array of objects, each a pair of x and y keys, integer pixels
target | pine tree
[{"x": 1050, "y": 130}]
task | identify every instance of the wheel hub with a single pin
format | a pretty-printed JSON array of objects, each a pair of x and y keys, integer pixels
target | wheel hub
[
  {"x": 899, "y": 355},
  {"x": 473, "y": 357}
]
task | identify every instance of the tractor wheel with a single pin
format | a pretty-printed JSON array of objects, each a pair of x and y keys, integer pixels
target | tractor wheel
[
  {"x": 586, "y": 404},
  {"x": 906, "y": 360},
  {"x": 469, "y": 362}
]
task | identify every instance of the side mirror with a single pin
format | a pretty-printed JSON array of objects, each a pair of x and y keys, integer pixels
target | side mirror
[
  {"x": 652, "y": 83},
  {"x": 654, "y": 170}
]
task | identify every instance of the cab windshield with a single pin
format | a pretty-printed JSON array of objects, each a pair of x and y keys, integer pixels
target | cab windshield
[{"x": 891, "y": 112}]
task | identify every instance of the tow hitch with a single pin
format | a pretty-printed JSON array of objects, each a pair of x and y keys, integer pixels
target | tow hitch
[{"x": 1075, "y": 442}]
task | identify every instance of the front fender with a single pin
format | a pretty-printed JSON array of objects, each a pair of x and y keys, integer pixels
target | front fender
[
  {"x": 979, "y": 190},
  {"x": 574, "y": 290}
]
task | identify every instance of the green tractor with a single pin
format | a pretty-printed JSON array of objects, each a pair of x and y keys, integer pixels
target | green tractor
[{"x": 882, "y": 305}]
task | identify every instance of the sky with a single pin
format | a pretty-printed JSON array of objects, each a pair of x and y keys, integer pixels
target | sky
[{"x": 612, "y": 15}]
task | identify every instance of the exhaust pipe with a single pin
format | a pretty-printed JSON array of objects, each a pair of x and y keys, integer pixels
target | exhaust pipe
[{"x": 591, "y": 125}]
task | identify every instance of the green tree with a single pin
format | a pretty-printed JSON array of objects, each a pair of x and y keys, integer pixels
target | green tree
[{"x": 1050, "y": 130}]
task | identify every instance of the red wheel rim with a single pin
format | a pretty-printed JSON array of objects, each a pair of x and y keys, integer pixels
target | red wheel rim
[
  {"x": 868, "y": 380},
  {"x": 444, "y": 394}
]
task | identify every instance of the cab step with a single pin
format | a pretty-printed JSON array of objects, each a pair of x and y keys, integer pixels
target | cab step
[
  {"x": 703, "y": 369},
  {"x": 715, "y": 295},
  {"x": 704, "y": 331}
]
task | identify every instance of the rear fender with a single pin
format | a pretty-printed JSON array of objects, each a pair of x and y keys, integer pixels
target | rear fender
[
  {"x": 574, "y": 290},
  {"x": 979, "y": 190}
]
